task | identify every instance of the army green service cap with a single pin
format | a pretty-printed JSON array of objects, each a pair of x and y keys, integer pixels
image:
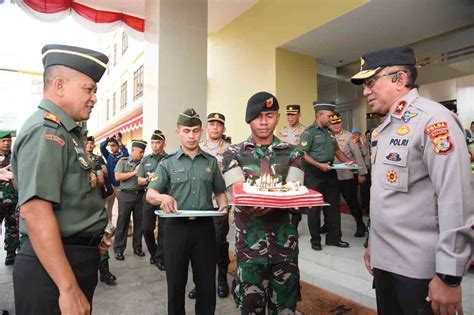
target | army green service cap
[
  {"x": 189, "y": 118},
  {"x": 319, "y": 105},
  {"x": 158, "y": 135},
  {"x": 5, "y": 134},
  {"x": 138, "y": 144},
  {"x": 90, "y": 62},
  {"x": 216, "y": 117}
]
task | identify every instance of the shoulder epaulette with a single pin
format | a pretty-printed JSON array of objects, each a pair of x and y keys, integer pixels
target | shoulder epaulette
[{"x": 51, "y": 120}]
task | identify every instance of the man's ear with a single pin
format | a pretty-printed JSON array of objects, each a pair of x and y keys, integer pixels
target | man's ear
[{"x": 58, "y": 86}]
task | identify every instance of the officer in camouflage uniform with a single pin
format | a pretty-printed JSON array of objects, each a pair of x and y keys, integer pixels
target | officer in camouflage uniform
[
  {"x": 266, "y": 242},
  {"x": 8, "y": 201},
  {"x": 146, "y": 172},
  {"x": 98, "y": 164}
]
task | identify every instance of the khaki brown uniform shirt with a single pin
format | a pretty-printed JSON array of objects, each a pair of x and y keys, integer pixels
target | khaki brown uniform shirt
[
  {"x": 352, "y": 151},
  {"x": 291, "y": 135},
  {"x": 50, "y": 163},
  {"x": 422, "y": 201}
]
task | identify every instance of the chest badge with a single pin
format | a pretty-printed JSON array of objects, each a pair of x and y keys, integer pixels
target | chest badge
[
  {"x": 392, "y": 176},
  {"x": 304, "y": 143},
  {"x": 208, "y": 169},
  {"x": 408, "y": 115},
  {"x": 375, "y": 134},
  {"x": 403, "y": 130},
  {"x": 393, "y": 156}
]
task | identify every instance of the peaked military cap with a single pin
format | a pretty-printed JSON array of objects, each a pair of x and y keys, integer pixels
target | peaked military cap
[
  {"x": 138, "y": 144},
  {"x": 189, "y": 118},
  {"x": 373, "y": 62},
  {"x": 89, "y": 62},
  {"x": 260, "y": 102},
  {"x": 216, "y": 117},
  {"x": 319, "y": 105},
  {"x": 293, "y": 109},
  {"x": 158, "y": 135},
  {"x": 336, "y": 118},
  {"x": 5, "y": 134}
]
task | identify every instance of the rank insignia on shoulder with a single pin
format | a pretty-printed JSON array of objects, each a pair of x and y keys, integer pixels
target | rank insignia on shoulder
[
  {"x": 54, "y": 138},
  {"x": 408, "y": 115},
  {"x": 52, "y": 117},
  {"x": 392, "y": 176},
  {"x": 403, "y": 130}
]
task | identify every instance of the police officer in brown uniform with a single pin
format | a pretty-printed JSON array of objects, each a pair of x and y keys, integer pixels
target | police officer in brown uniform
[
  {"x": 422, "y": 205},
  {"x": 62, "y": 212}
]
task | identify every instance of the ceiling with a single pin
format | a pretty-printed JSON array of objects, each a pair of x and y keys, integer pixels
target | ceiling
[
  {"x": 383, "y": 23},
  {"x": 220, "y": 12}
]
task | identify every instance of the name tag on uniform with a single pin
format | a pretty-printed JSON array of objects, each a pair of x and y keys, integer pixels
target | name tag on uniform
[{"x": 177, "y": 171}]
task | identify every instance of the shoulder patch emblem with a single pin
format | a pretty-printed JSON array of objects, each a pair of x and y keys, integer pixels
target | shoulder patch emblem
[
  {"x": 52, "y": 117},
  {"x": 403, "y": 130},
  {"x": 54, "y": 138},
  {"x": 439, "y": 134}
]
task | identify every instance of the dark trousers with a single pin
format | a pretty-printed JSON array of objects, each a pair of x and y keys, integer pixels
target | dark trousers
[
  {"x": 128, "y": 202},
  {"x": 221, "y": 225},
  {"x": 365, "y": 193},
  {"x": 348, "y": 189},
  {"x": 35, "y": 291},
  {"x": 155, "y": 247},
  {"x": 399, "y": 295},
  {"x": 326, "y": 184},
  {"x": 195, "y": 241}
]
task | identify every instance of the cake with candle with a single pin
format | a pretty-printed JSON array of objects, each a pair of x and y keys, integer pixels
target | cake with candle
[{"x": 269, "y": 191}]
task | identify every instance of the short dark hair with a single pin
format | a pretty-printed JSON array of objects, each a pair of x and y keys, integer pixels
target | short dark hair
[
  {"x": 90, "y": 138},
  {"x": 412, "y": 74}
]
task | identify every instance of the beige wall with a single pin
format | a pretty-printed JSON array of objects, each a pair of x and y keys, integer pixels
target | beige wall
[
  {"x": 242, "y": 57},
  {"x": 360, "y": 108}
]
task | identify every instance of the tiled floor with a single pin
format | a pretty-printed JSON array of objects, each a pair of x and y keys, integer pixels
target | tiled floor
[{"x": 141, "y": 288}]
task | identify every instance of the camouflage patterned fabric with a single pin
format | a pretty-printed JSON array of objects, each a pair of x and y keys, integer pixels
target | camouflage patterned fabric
[
  {"x": 8, "y": 203},
  {"x": 266, "y": 246}
]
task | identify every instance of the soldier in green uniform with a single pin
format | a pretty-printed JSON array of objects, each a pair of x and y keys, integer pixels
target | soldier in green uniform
[
  {"x": 62, "y": 213},
  {"x": 130, "y": 199},
  {"x": 320, "y": 148},
  {"x": 98, "y": 164},
  {"x": 8, "y": 201},
  {"x": 266, "y": 242},
  {"x": 186, "y": 180},
  {"x": 146, "y": 172}
]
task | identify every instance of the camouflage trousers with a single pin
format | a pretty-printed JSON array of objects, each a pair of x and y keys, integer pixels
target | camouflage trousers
[
  {"x": 11, "y": 217},
  {"x": 258, "y": 286}
]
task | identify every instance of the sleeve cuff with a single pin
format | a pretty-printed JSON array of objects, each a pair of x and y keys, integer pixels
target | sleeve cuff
[
  {"x": 234, "y": 175},
  {"x": 295, "y": 174}
]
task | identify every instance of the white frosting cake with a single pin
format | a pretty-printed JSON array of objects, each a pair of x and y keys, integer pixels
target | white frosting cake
[{"x": 266, "y": 185}]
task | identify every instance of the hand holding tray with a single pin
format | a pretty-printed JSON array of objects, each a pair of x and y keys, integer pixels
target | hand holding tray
[{"x": 190, "y": 213}]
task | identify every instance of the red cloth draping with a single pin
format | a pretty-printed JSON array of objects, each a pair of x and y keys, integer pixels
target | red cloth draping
[{"x": 91, "y": 14}]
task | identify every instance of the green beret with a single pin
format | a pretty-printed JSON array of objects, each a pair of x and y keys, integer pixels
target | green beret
[
  {"x": 323, "y": 106},
  {"x": 189, "y": 118},
  {"x": 5, "y": 134},
  {"x": 216, "y": 117},
  {"x": 139, "y": 144},
  {"x": 158, "y": 135},
  {"x": 90, "y": 62},
  {"x": 260, "y": 102}
]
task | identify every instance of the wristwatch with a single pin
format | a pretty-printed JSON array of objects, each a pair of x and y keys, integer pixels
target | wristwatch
[{"x": 452, "y": 281}]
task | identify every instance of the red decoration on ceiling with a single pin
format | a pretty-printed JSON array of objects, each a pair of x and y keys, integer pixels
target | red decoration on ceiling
[{"x": 91, "y": 14}]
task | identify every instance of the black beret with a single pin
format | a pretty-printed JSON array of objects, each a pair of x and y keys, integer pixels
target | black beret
[
  {"x": 158, "y": 135},
  {"x": 293, "y": 109},
  {"x": 336, "y": 118},
  {"x": 89, "y": 62},
  {"x": 189, "y": 118},
  {"x": 260, "y": 102},
  {"x": 216, "y": 117},
  {"x": 5, "y": 134},
  {"x": 139, "y": 144},
  {"x": 320, "y": 105},
  {"x": 372, "y": 62}
]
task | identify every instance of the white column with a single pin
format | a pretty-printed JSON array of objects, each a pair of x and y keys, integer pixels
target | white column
[{"x": 175, "y": 64}]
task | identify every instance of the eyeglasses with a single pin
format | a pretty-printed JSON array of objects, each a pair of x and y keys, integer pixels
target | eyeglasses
[{"x": 370, "y": 82}]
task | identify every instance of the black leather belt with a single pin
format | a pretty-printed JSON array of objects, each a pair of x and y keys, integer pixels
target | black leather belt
[
  {"x": 83, "y": 240},
  {"x": 136, "y": 192}
]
